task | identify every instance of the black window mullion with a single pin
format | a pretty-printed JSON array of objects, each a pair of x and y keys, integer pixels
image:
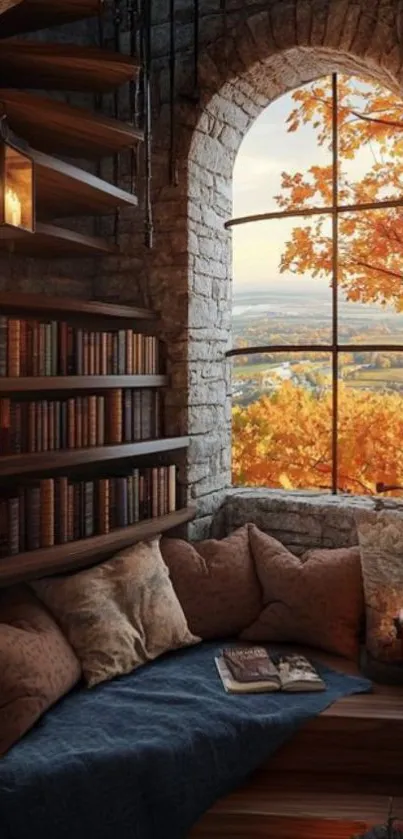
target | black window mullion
[{"x": 335, "y": 255}]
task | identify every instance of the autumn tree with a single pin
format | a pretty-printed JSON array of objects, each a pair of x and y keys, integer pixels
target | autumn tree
[
  {"x": 370, "y": 265},
  {"x": 269, "y": 451}
]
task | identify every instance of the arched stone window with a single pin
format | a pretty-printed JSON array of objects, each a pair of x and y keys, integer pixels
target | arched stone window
[
  {"x": 318, "y": 329},
  {"x": 259, "y": 53}
]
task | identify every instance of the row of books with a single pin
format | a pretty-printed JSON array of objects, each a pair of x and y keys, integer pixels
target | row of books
[
  {"x": 55, "y": 348},
  {"x": 58, "y": 510},
  {"x": 119, "y": 416}
]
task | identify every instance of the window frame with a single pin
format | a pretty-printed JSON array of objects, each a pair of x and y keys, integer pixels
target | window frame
[{"x": 335, "y": 348}]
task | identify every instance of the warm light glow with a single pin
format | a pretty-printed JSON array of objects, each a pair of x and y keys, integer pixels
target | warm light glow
[{"x": 13, "y": 210}]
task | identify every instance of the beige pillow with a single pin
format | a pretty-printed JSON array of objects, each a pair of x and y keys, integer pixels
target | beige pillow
[
  {"x": 216, "y": 583},
  {"x": 316, "y": 599},
  {"x": 120, "y": 614},
  {"x": 37, "y": 665},
  {"x": 381, "y": 541}
]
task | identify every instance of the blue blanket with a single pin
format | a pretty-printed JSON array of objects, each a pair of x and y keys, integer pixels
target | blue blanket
[{"x": 144, "y": 756}]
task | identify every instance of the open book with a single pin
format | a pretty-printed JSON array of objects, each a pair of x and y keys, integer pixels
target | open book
[{"x": 253, "y": 670}]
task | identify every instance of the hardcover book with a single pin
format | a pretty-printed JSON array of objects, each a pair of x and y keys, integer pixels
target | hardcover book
[{"x": 253, "y": 670}]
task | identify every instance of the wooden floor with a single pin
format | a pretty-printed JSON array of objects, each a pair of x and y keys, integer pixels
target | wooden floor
[{"x": 332, "y": 780}]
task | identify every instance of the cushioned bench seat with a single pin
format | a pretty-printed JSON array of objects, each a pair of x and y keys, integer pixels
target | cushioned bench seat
[{"x": 151, "y": 749}]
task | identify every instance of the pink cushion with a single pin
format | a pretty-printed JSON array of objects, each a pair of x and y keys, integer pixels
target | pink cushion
[
  {"x": 216, "y": 583},
  {"x": 37, "y": 665},
  {"x": 315, "y": 600}
]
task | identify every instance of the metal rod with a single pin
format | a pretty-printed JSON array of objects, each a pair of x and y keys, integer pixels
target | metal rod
[
  {"x": 315, "y": 211},
  {"x": 335, "y": 272},
  {"x": 149, "y": 229},
  {"x": 172, "y": 92},
  {"x": 196, "y": 45},
  {"x": 320, "y": 348},
  {"x": 133, "y": 22},
  {"x": 116, "y": 108}
]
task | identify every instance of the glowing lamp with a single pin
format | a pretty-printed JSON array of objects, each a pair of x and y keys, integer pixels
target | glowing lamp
[{"x": 17, "y": 206}]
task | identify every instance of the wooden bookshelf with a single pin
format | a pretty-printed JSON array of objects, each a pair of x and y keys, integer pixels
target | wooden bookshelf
[
  {"x": 18, "y": 16},
  {"x": 45, "y": 66},
  {"x": 65, "y": 307},
  {"x": 58, "y": 128},
  {"x": 143, "y": 472},
  {"x": 40, "y": 384},
  {"x": 39, "y": 462},
  {"x": 75, "y": 555}
]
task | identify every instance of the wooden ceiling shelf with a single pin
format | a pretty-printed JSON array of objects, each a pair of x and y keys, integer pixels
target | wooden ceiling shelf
[
  {"x": 18, "y": 16},
  {"x": 50, "y": 241},
  {"x": 42, "y": 384},
  {"x": 86, "y": 552},
  {"x": 58, "y": 128},
  {"x": 63, "y": 67},
  {"x": 55, "y": 306},
  {"x": 65, "y": 190}
]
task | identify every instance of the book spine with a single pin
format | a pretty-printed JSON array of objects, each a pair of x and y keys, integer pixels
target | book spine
[
  {"x": 14, "y": 333},
  {"x": 47, "y": 515},
  {"x": 13, "y": 526},
  {"x": 3, "y": 345}
]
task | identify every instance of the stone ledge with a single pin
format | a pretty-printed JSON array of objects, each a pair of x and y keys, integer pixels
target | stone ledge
[{"x": 300, "y": 519}]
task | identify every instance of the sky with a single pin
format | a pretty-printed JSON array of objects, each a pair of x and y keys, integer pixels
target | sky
[{"x": 266, "y": 151}]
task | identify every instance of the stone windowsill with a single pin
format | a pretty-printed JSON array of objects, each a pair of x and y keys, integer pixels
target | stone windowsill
[{"x": 301, "y": 519}]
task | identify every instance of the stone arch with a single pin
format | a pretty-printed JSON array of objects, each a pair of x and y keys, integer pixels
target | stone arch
[{"x": 260, "y": 57}]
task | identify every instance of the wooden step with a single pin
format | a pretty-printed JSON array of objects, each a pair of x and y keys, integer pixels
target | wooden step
[
  {"x": 307, "y": 807},
  {"x": 363, "y": 732},
  {"x": 64, "y": 190},
  {"x": 58, "y": 128},
  {"x": 29, "y": 64},
  {"x": 51, "y": 241},
  {"x": 18, "y": 16}
]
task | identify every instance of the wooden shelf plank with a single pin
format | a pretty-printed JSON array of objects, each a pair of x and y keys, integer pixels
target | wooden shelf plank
[
  {"x": 34, "y": 65},
  {"x": 18, "y": 16},
  {"x": 60, "y": 383},
  {"x": 42, "y": 303},
  {"x": 24, "y": 464},
  {"x": 58, "y": 128},
  {"x": 52, "y": 241},
  {"x": 66, "y": 190},
  {"x": 75, "y": 555}
]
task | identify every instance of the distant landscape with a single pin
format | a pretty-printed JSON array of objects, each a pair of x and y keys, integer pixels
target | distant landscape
[{"x": 265, "y": 317}]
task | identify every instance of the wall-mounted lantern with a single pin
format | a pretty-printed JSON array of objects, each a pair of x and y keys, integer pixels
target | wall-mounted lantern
[{"x": 17, "y": 182}]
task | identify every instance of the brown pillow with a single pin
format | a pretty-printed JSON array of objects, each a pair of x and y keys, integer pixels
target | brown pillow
[
  {"x": 381, "y": 541},
  {"x": 216, "y": 583},
  {"x": 37, "y": 665},
  {"x": 120, "y": 614},
  {"x": 316, "y": 599}
]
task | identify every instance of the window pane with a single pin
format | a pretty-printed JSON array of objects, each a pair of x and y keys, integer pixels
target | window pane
[
  {"x": 282, "y": 276},
  {"x": 370, "y": 141},
  {"x": 371, "y": 277},
  {"x": 370, "y": 427},
  {"x": 282, "y": 420},
  {"x": 284, "y": 161}
]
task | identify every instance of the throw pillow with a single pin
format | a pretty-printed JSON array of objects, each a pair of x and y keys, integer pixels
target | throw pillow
[
  {"x": 37, "y": 664},
  {"x": 216, "y": 583},
  {"x": 381, "y": 541},
  {"x": 316, "y": 599},
  {"x": 120, "y": 614}
]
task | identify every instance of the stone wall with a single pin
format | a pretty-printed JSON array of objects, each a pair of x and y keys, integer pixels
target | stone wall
[{"x": 300, "y": 520}]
